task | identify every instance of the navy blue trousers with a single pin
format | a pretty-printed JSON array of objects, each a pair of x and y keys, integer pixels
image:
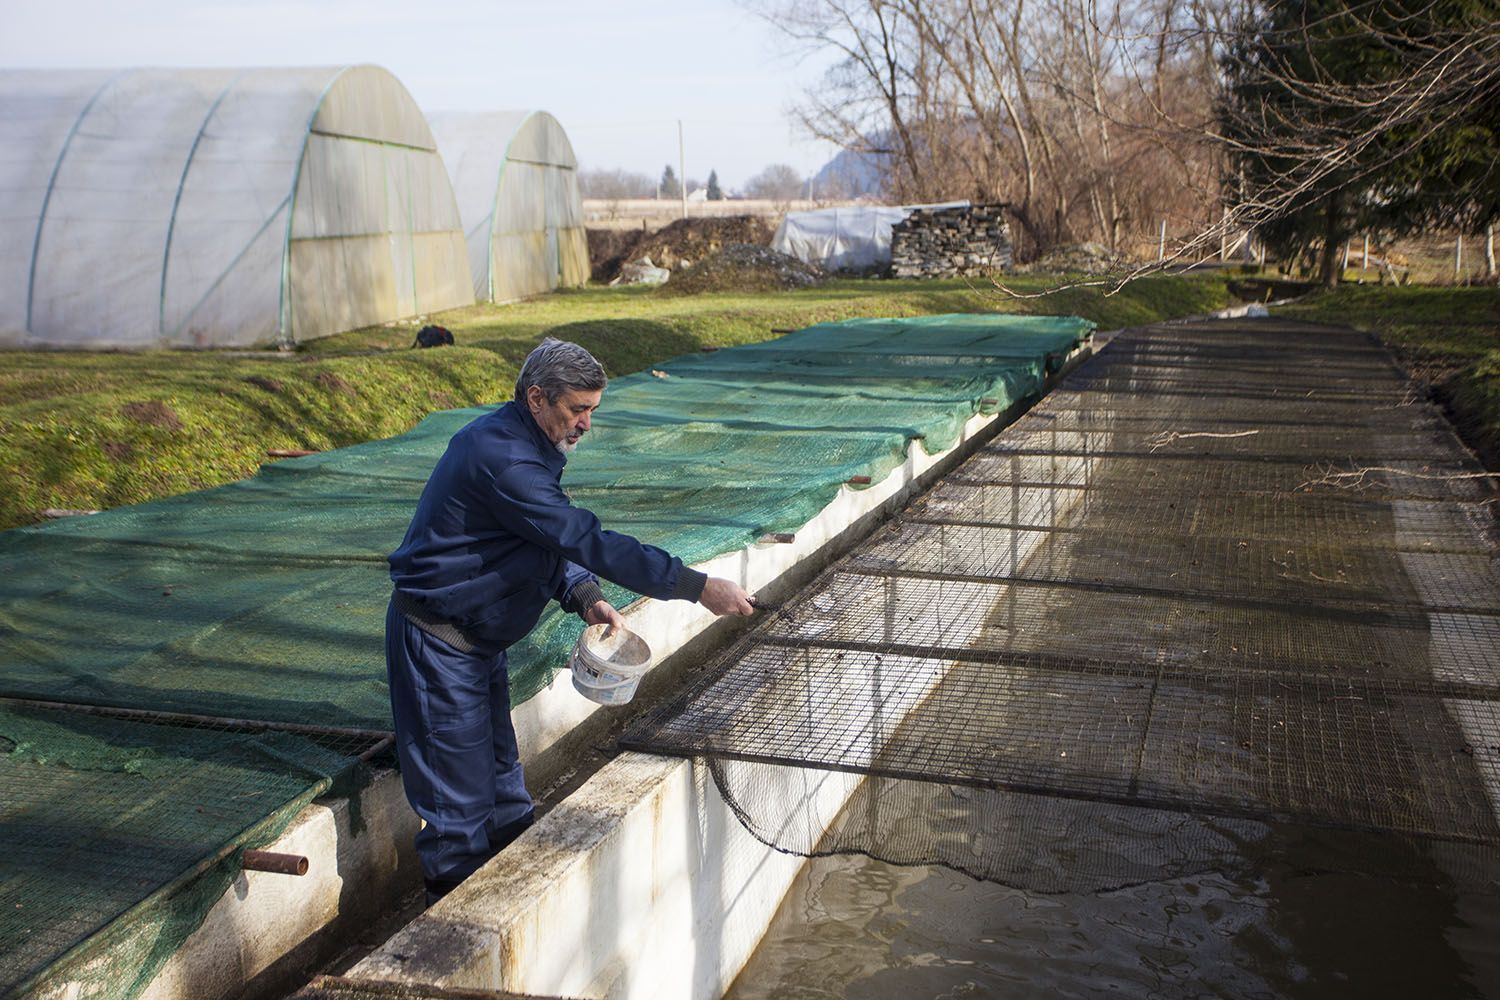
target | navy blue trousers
[{"x": 457, "y": 749}]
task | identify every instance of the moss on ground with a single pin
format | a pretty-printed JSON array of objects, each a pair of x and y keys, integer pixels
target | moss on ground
[
  {"x": 96, "y": 430},
  {"x": 1448, "y": 338},
  {"x": 89, "y": 431}
]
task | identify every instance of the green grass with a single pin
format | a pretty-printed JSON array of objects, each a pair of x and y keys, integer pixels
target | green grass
[
  {"x": 97, "y": 430},
  {"x": 629, "y": 328},
  {"x": 93, "y": 430},
  {"x": 1448, "y": 338}
]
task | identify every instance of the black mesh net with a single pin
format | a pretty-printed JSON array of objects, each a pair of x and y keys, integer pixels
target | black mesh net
[
  {"x": 1231, "y": 585},
  {"x": 123, "y": 828}
]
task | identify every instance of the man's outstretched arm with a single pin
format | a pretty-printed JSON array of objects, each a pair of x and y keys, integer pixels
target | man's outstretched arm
[{"x": 533, "y": 506}]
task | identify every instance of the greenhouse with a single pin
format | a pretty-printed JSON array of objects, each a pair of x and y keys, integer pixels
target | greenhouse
[
  {"x": 516, "y": 181},
  {"x": 218, "y": 208}
]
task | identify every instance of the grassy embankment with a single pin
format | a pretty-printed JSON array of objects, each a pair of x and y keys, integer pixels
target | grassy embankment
[
  {"x": 97, "y": 430},
  {"x": 1448, "y": 338}
]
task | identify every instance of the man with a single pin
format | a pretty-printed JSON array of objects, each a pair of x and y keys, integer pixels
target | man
[{"x": 493, "y": 540}]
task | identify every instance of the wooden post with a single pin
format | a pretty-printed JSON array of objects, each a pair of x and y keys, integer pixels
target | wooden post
[
  {"x": 1489, "y": 251},
  {"x": 1345, "y": 265},
  {"x": 1364, "y": 262},
  {"x": 681, "y": 168},
  {"x": 1458, "y": 258},
  {"x": 1224, "y": 235},
  {"x": 1161, "y": 243}
]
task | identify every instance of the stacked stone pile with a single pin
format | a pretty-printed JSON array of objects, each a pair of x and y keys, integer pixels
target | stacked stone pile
[{"x": 946, "y": 242}]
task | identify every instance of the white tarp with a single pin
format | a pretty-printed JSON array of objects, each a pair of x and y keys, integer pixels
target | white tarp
[
  {"x": 849, "y": 238},
  {"x": 216, "y": 208},
  {"x": 516, "y": 181}
]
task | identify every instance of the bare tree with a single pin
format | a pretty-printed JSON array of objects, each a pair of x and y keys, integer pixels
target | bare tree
[
  {"x": 614, "y": 185},
  {"x": 1056, "y": 107},
  {"x": 778, "y": 182},
  {"x": 1101, "y": 119}
]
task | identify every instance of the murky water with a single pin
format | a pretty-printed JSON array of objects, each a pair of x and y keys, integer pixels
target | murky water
[{"x": 853, "y": 927}]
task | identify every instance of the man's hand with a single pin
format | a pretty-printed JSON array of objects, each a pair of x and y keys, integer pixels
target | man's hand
[
  {"x": 604, "y": 613},
  {"x": 724, "y": 597}
]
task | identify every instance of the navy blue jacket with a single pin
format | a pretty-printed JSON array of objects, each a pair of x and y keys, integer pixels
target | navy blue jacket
[{"x": 495, "y": 537}]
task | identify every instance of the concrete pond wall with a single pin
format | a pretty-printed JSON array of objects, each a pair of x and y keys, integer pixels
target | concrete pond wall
[{"x": 643, "y": 882}]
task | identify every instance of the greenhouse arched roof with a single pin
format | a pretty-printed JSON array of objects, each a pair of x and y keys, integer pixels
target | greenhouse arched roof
[
  {"x": 516, "y": 180},
  {"x": 218, "y": 207}
]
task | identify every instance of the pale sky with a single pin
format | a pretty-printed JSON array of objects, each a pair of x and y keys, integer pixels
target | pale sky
[{"x": 617, "y": 75}]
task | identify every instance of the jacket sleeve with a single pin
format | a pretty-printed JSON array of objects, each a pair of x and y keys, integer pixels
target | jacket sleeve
[
  {"x": 530, "y": 503},
  {"x": 579, "y": 589}
]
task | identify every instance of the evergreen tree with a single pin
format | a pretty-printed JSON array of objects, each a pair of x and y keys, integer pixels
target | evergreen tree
[
  {"x": 715, "y": 193},
  {"x": 1317, "y": 103},
  {"x": 671, "y": 187}
]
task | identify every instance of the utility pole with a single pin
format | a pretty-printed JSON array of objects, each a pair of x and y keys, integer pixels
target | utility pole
[{"x": 681, "y": 168}]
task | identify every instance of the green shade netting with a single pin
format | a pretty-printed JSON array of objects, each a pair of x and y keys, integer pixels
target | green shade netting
[
  {"x": 266, "y": 599},
  {"x": 102, "y": 819}
]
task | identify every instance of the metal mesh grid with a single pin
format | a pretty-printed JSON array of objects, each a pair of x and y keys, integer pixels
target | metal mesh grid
[
  {"x": 1189, "y": 564},
  {"x": 1360, "y": 754},
  {"x": 1060, "y": 628},
  {"x": 1147, "y": 420},
  {"x": 1271, "y": 444},
  {"x": 1128, "y": 599},
  {"x": 1163, "y": 480},
  {"x": 1398, "y": 525}
]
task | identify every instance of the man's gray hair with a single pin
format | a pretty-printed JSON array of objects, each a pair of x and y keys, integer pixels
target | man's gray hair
[{"x": 556, "y": 366}]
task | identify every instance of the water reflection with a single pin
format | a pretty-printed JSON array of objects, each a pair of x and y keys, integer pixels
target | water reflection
[{"x": 858, "y": 928}]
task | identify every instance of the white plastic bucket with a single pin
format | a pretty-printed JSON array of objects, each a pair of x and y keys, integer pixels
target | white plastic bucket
[{"x": 607, "y": 669}]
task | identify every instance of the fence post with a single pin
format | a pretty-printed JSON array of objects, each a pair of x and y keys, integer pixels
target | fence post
[
  {"x": 1489, "y": 251},
  {"x": 681, "y": 168},
  {"x": 1161, "y": 243},
  {"x": 1364, "y": 263},
  {"x": 1458, "y": 258}
]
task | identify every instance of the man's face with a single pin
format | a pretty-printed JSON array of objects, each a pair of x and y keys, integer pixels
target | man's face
[{"x": 566, "y": 420}]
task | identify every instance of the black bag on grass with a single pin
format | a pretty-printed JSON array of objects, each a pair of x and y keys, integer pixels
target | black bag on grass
[{"x": 433, "y": 336}]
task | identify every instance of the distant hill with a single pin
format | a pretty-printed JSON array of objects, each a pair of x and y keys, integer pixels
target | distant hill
[{"x": 849, "y": 175}]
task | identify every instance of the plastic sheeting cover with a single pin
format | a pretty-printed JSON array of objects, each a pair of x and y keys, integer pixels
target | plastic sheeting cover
[
  {"x": 849, "y": 238},
  {"x": 155, "y": 207},
  {"x": 516, "y": 180}
]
